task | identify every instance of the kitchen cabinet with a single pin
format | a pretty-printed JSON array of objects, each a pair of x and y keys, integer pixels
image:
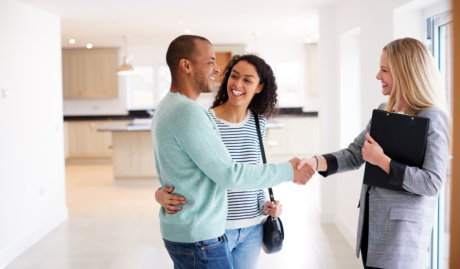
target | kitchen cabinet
[
  {"x": 132, "y": 151},
  {"x": 133, "y": 155},
  {"x": 299, "y": 137},
  {"x": 90, "y": 73},
  {"x": 85, "y": 143},
  {"x": 222, "y": 59}
]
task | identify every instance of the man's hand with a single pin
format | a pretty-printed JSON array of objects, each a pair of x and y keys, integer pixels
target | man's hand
[
  {"x": 169, "y": 201},
  {"x": 302, "y": 175}
]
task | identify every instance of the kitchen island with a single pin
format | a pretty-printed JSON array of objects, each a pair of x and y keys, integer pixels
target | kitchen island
[{"x": 132, "y": 150}]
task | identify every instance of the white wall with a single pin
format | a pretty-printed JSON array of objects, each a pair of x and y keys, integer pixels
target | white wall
[
  {"x": 328, "y": 110},
  {"x": 379, "y": 22},
  {"x": 32, "y": 177}
]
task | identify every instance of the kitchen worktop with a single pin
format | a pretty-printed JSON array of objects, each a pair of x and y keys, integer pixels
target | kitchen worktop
[
  {"x": 139, "y": 125},
  {"x": 147, "y": 114},
  {"x": 142, "y": 125}
]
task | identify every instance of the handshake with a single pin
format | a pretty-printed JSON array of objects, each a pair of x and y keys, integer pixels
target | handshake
[{"x": 304, "y": 169}]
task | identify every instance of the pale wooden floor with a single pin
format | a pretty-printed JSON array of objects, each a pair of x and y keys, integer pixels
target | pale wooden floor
[{"x": 117, "y": 227}]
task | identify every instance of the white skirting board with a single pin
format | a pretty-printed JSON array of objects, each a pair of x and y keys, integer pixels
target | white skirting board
[
  {"x": 347, "y": 232},
  {"x": 15, "y": 250}
]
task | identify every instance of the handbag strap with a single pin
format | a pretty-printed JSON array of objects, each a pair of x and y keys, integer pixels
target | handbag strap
[{"x": 261, "y": 144}]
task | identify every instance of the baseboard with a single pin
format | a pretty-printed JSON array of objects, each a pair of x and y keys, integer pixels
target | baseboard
[
  {"x": 15, "y": 250},
  {"x": 327, "y": 218},
  {"x": 88, "y": 161},
  {"x": 138, "y": 181},
  {"x": 349, "y": 234}
]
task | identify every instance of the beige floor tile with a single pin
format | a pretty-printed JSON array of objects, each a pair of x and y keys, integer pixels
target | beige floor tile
[{"x": 116, "y": 226}]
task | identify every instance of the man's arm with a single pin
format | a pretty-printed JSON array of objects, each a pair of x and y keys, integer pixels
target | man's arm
[{"x": 204, "y": 146}]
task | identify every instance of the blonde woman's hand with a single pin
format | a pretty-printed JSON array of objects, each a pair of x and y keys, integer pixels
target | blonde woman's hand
[
  {"x": 273, "y": 209},
  {"x": 169, "y": 201},
  {"x": 373, "y": 153},
  {"x": 310, "y": 161}
]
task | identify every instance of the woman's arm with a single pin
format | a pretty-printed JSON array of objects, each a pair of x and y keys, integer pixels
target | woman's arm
[
  {"x": 429, "y": 179},
  {"x": 346, "y": 159},
  {"x": 318, "y": 162},
  {"x": 169, "y": 201}
]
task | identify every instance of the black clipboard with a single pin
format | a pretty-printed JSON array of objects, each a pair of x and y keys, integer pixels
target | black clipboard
[{"x": 402, "y": 138}]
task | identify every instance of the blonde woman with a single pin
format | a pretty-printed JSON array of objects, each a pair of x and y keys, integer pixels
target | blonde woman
[{"x": 394, "y": 227}]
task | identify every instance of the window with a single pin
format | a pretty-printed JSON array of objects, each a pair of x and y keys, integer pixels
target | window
[
  {"x": 147, "y": 86},
  {"x": 140, "y": 95},
  {"x": 289, "y": 86},
  {"x": 439, "y": 40},
  {"x": 164, "y": 83}
]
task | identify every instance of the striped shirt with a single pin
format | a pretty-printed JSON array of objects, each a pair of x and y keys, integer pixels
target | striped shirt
[{"x": 245, "y": 208}]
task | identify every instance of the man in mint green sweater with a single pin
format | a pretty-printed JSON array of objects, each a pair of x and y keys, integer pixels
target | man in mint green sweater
[{"x": 190, "y": 156}]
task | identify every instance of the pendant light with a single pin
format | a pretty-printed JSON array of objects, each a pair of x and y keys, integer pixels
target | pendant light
[{"x": 125, "y": 68}]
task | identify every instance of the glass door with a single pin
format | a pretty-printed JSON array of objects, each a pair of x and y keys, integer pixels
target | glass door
[{"x": 439, "y": 40}]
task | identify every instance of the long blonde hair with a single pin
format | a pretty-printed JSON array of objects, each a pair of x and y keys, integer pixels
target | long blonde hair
[{"x": 416, "y": 79}]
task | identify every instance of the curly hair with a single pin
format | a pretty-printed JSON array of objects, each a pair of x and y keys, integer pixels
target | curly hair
[{"x": 264, "y": 103}]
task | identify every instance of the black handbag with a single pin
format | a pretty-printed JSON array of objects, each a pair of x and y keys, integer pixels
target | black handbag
[{"x": 273, "y": 227}]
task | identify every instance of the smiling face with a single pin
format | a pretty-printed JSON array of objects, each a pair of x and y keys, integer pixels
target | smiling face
[
  {"x": 384, "y": 75},
  {"x": 243, "y": 84},
  {"x": 205, "y": 67}
]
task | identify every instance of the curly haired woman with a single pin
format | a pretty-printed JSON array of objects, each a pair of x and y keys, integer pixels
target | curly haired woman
[{"x": 248, "y": 87}]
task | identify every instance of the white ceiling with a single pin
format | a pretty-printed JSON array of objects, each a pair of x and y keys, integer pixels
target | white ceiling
[{"x": 150, "y": 22}]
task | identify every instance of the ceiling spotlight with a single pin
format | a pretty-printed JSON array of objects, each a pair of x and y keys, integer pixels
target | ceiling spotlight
[
  {"x": 316, "y": 35},
  {"x": 308, "y": 41},
  {"x": 89, "y": 46},
  {"x": 187, "y": 31},
  {"x": 72, "y": 41},
  {"x": 180, "y": 22}
]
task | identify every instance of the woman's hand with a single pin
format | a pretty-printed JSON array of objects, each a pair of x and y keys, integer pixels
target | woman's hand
[
  {"x": 310, "y": 161},
  {"x": 373, "y": 153},
  {"x": 273, "y": 209},
  {"x": 169, "y": 201},
  {"x": 318, "y": 163}
]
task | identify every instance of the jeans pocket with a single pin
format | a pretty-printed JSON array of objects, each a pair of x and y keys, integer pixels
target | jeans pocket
[
  {"x": 212, "y": 243},
  {"x": 182, "y": 257}
]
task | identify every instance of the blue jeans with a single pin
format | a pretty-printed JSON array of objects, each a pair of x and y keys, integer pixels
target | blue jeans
[
  {"x": 209, "y": 254},
  {"x": 245, "y": 245}
]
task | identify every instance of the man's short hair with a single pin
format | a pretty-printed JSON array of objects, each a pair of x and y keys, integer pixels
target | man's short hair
[{"x": 182, "y": 47}]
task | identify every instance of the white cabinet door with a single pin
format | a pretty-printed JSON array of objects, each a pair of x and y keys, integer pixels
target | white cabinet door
[{"x": 298, "y": 138}]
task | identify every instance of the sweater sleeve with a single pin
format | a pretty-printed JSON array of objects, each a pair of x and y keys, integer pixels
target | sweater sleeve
[
  {"x": 197, "y": 134},
  {"x": 346, "y": 159}
]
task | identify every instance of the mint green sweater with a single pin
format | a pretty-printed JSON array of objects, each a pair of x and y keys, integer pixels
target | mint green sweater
[{"x": 190, "y": 156}]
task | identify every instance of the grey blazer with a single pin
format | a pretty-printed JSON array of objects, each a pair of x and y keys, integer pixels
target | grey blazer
[{"x": 400, "y": 223}]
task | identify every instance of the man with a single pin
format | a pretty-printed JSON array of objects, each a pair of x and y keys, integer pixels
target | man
[{"x": 191, "y": 157}]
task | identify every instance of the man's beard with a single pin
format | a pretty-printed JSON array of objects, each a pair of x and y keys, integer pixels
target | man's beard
[{"x": 202, "y": 82}]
